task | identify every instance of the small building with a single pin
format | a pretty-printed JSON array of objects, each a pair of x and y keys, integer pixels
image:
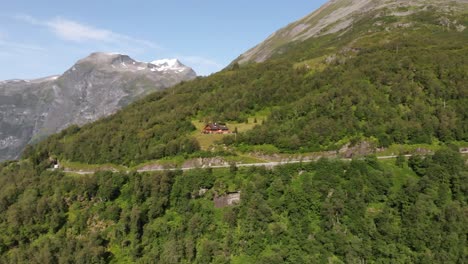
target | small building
[
  {"x": 54, "y": 163},
  {"x": 216, "y": 128},
  {"x": 230, "y": 199}
]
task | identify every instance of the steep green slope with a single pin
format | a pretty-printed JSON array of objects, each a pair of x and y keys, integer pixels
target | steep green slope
[
  {"x": 362, "y": 211},
  {"x": 412, "y": 89},
  {"x": 389, "y": 79},
  {"x": 341, "y": 15}
]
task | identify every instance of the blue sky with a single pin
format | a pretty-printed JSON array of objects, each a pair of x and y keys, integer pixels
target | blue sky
[{"x": 42, "y": 38}]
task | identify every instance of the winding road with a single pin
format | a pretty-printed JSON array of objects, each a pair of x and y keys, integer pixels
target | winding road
[{"x": 263, "y": 164}]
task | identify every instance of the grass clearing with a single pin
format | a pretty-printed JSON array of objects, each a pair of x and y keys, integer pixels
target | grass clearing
[
  {"x": 244, "y": 159},
  {"x": 77, "y": 166},
  {"x": 170, "y": 162},
  {"x": 409, "y": 149},
  {"x": 313, "y": 65},
  {"x": 73, "y": 174},
  {"x": 208, "y": 140}
]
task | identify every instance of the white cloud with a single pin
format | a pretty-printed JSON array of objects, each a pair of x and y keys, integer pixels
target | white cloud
[
  {"x": 73, "y": 31},
  {"x": 70, "y": 30},
  {"x": 202, "y": 65}
]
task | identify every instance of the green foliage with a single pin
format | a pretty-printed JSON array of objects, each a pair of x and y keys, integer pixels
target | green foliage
[
  {"x": 401, "y": 85},
  {"x": 404, "y": 86},
  {"x": 327, "y": 211},
  {"x": 400, "y": 160}
]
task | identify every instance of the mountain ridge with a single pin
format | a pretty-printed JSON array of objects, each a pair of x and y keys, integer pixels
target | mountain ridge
[
  {"x": 95, "y": 86},
  {"x": 397, "y": 83},
  {"x": 335, "y": 16},
  {"x": 388, "y": 79}
]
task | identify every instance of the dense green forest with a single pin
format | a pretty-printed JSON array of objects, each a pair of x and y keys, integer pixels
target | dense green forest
[
  {"x": 330, "y": 211},
  {"x": 388, "y": 83},
  {"x": 378, "y": 81}
]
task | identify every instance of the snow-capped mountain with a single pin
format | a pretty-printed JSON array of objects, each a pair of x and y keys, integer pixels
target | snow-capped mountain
[
  {"x": 120, "y": 62},
  {"x": 94, "y": 87},
  {"x": 168, "y": 65}
]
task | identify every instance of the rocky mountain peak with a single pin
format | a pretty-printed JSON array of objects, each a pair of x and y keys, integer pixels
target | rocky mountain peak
[
  {"x": 104, "y": 58},
  {"x": 94, "y": 87},
  {"x": 111, "y": 62}
]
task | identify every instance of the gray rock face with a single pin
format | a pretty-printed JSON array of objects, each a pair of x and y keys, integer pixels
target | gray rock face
[
  {"x": 337, "y": 15},
  {"x": 94, "y": 87}
]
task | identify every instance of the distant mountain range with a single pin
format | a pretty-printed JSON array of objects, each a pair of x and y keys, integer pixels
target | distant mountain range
[{"x": 94, "y": 87}]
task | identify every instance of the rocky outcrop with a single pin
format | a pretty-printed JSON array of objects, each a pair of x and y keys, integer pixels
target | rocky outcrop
[
  {"x": 229, "y": 199},
  {"x": 357, "y": 150},
  {"x": 94, "y": 87},
  {"x": 204, "y": 162},
  {"x": 338, "y": 15}
]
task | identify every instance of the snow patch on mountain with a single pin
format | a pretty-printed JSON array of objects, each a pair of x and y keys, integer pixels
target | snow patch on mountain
[
  {"x": 168, "y": 65},
  {"x": 95, "y": 87}
]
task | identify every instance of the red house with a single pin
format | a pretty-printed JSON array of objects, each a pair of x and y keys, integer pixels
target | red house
[{"x": 216, "y": 128}]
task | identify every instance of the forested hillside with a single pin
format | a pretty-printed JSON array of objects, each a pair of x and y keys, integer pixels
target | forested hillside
[
  {"x": 363, "y": 211},
  {"x": 388, "y": 79}
]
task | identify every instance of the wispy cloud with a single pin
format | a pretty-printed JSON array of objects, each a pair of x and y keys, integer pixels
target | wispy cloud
[
  {"x": 15, "y": 46},
  {"x": 74, "y": 31}
]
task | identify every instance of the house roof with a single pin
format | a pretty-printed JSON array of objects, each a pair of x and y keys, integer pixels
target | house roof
[{"x": 216, "y": 126}]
